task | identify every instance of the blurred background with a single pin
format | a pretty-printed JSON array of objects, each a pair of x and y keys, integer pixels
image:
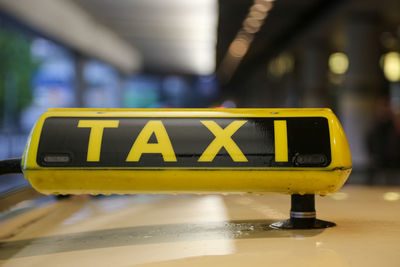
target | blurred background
[{"x": 340, "y": 54}]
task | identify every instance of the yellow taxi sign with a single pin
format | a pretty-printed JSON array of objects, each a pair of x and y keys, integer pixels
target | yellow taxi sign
[{"x": 294, "y": 151}]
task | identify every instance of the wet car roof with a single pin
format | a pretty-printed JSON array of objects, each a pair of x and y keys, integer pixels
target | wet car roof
[{"x": 198, "y": 230}]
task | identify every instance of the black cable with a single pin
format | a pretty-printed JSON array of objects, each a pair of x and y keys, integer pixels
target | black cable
[{"x": 10, "y": 166}]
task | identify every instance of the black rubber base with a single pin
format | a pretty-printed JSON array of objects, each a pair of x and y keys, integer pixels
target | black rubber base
[
  {"x": 302, "y": 224},
  {"x": 302, "y": 215}
]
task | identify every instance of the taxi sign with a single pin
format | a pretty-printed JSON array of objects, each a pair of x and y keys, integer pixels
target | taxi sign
[{"x": 294, "y": 151}]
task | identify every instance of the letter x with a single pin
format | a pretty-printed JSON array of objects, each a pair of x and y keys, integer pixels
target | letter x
[{"x": 223, "y": 138}]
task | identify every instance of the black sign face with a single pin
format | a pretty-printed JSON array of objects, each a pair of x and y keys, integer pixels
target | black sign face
[{"x": 176, "y": 142}]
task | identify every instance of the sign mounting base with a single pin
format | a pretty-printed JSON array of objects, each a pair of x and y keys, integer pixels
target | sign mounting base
[{"x": 302, "y": 215}]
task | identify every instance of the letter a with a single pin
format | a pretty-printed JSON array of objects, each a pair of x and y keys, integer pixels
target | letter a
[
  {"x": 142, "y": 145},
  {"x": 223, "y": 138}
]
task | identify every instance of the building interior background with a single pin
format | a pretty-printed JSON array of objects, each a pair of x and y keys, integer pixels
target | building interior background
[{"x": 344, "y": 55}]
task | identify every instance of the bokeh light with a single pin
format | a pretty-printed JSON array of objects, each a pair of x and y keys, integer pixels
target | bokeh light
[
  {"x": 338, "y": 63},
  {"x": 391, "y": 66},
  {"x": 281, "y": 65}
]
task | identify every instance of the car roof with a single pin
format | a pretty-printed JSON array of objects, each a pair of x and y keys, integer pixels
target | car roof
[{"x": 198, "y": 230}]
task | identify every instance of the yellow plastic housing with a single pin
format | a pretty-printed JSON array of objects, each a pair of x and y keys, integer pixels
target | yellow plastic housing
[{"x": 125, "y": 180}]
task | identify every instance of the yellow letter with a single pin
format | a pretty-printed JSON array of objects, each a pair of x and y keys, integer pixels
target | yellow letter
[
  {"x": 163, "y": 145},
  {"x": 281, "y": 143},
  {"x": 96, "y": 135},
  {"x": 223, "y": 139}
]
